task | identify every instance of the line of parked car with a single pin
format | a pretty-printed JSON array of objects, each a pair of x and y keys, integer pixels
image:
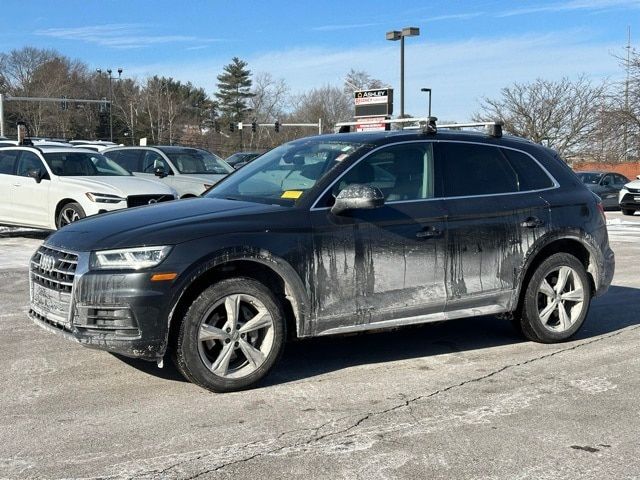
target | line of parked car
[
  {"x": 53, "y": 183},
  {"x": 615, "y": 190}
]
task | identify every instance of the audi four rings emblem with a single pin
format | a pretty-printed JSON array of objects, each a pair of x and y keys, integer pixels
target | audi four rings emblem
[
  {"x": 47, "y": 262},
  {"x": 153, "y": 200}
]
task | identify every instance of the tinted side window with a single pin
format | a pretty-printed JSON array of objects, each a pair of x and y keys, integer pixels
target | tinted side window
[
  {"x": 621, "y": 180},
  {"x": 29, "y": 161},
  {"x": 467, "y": 169},
  {"x": 530, "y": 175},
  {"x": 7, "y": 161},
  {"x": 153, "y": 160},
  {"x": 127, "y": 159},
  {"x": 401, "y": 172}
]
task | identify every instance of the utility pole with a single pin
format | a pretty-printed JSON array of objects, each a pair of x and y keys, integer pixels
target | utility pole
[
  {"x": 133, "y": 136},
  {"x": 1, "y": 115},
  {"x": 109, "y": 72},
  {"x": 626, "y": 95}
]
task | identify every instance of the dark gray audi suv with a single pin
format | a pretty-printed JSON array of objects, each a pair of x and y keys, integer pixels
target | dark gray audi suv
[{"x": 328, "y": 235}]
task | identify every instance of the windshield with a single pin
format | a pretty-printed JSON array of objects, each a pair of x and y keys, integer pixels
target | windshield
[
  {"x": 194, "y": 161},
  {"x": 284, "y": 174},
  {"x": 590, "y": 178},
  {"x": 75, "y": 164}
]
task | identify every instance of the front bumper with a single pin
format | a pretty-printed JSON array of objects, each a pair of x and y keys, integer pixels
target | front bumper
[
  {"x": 121, "y": 312},
  {"x": 630, "y": 201}
]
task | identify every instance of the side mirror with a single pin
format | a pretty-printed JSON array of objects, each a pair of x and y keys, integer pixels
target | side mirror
[
  {"x": 36, "y": 174},
  {"x": 358, "y": 197},
  {"x": 159, "y": 172}
]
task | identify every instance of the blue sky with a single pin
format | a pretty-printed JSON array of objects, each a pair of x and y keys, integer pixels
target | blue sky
[{"x": 466, "y": 50}]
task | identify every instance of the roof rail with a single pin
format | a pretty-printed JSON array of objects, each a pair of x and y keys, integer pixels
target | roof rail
[{"x": 429, "y": 125}]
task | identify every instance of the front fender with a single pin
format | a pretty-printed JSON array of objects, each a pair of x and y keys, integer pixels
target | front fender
[{"x": 294, "y": 288}]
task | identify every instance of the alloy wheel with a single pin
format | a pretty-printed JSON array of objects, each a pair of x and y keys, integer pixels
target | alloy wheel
[
  {"x": 235, "y": 336},
  {"x": 560, "y": 299}
]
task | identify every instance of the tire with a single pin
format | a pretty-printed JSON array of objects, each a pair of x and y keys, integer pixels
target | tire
[
  {"x": 224, "y": 356},
  {"x": 552, "y": 312},
  {"x": 69, "y": 213},
  {"x": 628, "y": 211}
]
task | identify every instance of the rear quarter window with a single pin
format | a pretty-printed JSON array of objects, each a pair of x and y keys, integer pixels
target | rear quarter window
[{"x": 530, "y": 175}]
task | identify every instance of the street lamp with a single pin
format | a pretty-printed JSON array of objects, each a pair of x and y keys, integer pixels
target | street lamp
[
  {"x": 399, "y": 35},
  {"x": 429, "y": 91},
  {"x": 109, "y": 72}
]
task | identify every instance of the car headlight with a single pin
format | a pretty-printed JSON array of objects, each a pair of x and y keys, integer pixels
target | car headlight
[
  {"x": 104, "y": 197},
  {"x": 129, "y": 258}
]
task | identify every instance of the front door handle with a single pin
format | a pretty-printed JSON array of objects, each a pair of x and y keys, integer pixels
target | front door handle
[
  {"x": 429, "y": 232},
  {"x": 532, "y": 222}
]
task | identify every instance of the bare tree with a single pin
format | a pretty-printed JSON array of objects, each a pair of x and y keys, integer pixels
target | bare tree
[
  {"x": 328, "y": 103},
  {"x": 360, "y": 80},
  {"x": 268, "y": 104},
  {"x": 562, "y": 114}
]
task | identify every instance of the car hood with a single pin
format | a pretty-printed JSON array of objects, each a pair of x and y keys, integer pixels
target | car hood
[
  {"x": 122, "y": 186},
  {"x": 635, "y": 184},
  {"x": 166, "y": 223}
]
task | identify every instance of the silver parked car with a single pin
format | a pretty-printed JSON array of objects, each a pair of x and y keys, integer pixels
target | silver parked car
[{"x": 190, "y": 171}]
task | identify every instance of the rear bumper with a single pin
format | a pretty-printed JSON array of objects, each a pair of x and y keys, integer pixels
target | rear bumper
[{"x": 606, "y": 275}]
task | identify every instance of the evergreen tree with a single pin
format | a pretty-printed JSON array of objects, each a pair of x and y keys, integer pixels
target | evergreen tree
[{"x": 234, "y": 85}]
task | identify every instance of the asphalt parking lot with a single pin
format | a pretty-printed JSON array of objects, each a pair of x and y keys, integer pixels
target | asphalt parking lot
[{"x": 463, "y": 399}]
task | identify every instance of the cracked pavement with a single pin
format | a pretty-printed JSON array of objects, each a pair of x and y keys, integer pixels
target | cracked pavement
[{"x": 462, "y": 399}]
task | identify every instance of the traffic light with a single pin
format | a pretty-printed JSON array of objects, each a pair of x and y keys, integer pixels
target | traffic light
[
  {"x": 254, "y": 126},
  {"x": 232, "y": 127},
  {"x": 277, "y": 126},
  {"x": 63, "y": 103}
]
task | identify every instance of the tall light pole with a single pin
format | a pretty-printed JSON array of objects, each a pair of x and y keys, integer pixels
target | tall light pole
[
  {"x": 109, "y": 72},
  {"x": 399, "y": 35}
]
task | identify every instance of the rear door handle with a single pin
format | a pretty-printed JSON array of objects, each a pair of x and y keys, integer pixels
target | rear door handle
[
  {"x": 532, "y": 222},
  {"x": 429, "y": 232}
]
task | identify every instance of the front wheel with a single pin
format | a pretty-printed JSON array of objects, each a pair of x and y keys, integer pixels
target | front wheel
[
  {"x": 557, "y": 299},
  {"x": 69, "y": 213},
  {"x": 231, "y": 336}
]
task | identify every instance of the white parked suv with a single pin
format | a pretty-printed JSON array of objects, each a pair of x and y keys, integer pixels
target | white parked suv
[
  {"x": 50, "y": 187},
  {"x": 190, "y": 171}
]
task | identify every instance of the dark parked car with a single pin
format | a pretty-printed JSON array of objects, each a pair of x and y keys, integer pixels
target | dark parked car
[
  {"x": 240, "y": 159},
  {"x": 327, "y": 235},
  {"x": 606, "y": 185}
]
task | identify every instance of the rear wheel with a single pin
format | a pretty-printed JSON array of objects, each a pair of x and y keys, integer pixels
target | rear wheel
[
  {"x": 557, "y": 300},
  {"x": 69, "y": 213},
  {"x": 231, "y": 336},
  {"x": 628, "y": 211}
]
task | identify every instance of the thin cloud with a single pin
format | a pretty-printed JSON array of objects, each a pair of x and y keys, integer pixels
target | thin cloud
[
  {"x": 119, "y": 36},
  {"x": 573, "y": 5},
  {"x": 459, "y": 16},
  {"x": 331, "y": 28}
]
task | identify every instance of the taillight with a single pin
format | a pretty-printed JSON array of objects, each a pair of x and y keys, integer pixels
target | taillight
[{"x": 601, "y": 209}]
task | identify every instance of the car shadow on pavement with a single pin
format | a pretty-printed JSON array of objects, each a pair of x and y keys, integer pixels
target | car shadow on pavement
[
  {"x": 307, "y": 358},
  {"x": 316, "y": 356},
  {"x": 22, "y": 233}
]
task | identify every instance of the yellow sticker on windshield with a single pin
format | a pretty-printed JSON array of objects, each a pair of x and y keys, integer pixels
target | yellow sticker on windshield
[{"x": 295, "y": 194}]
